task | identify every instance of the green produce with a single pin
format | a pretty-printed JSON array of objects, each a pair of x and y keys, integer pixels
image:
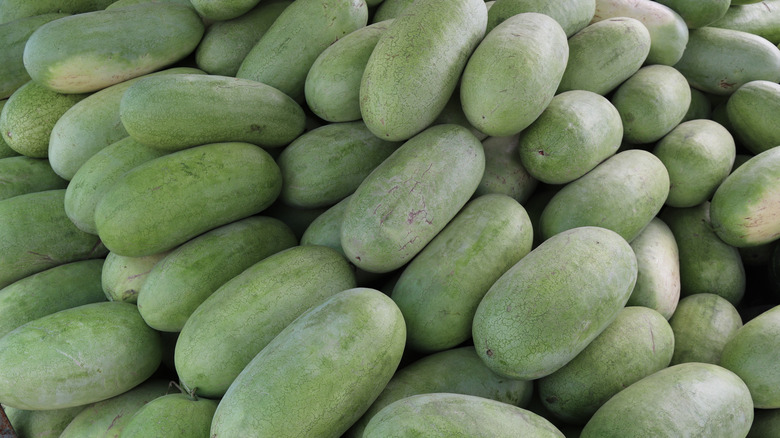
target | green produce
[
  {"x": 142, "y": 213},
  {"x": 430, "y": 41},
  {"x": 298, "y": 219},
  {"x": 743, "y": 209},
  {"x": 551, "y": 304},
  {"x": 752, "y": 354},
  {"x": 658, "y": 269},
  {"x": 668, "y": 31},
  {"x": 251, "y": 309},
  {"x": 623, "y": 194},
  {"x": 328, "y": 366},
  {"x": 572, "y": 15},
  {"x": 389, "y": 9},
  {"x": 637, "y": 343},
  {"x": 703, "y": 324},
  {"x": 440, "y": 289},
  {"x": 719, "y": 61},
  {"x": 325, "y": 230},
  {"x": 13, "y": 36},
  {"x": 109, "y": 417},
  {"x": 5, "y": 150},
  {"x": 327, "y": 164},
  {"x": 458, "y": 371},
  {"x": 707, "y": 264},
  {"x": 698, "y": 154},
  {"x": 332, "y": 87},
  {"x": 750, "y": 110},
  {"x": 202, "y": 109},
  {"x": 11, "y": 10},
  {"x": 761, "y": 18},
  {"x": 77, "y": 356},
  {"x": 98, "y": 174},
  {"x": 123, "y": 277},
  {"x": 30, "y": 114},
  {"x": 285, "y": 53},
  {"x": 91, "y": 125},
  {"x": 698, "y": 13},
  {"x": 512, "y": 75},
  {"x": 446, "y": 415},
  {"x": 453, "y": 114},
  {"x": 578, "y": 130},
  {"x": 172, "y": 416},
  {"x": 223, "y": 10},
  {"x": 651, "y": 103},
  {"x": 69, "y": 55},
  {"x": 766, "y": 423},
  {"x": 604, "y": 54},
  {"x": 504, "y": 172},
  {"x": 48, "y": 423},
  {"x": 21, "y": 175},
  {"x": 37, "y": 235},
  {"x": 226, "y": 43},
  {"x": 691, "y": 399},
  {"x": 189, "y": 274},
  {"x": 410, "y": 197},
  {"x": 49, "y": 291},
  {"x": 701, "y": 107}
]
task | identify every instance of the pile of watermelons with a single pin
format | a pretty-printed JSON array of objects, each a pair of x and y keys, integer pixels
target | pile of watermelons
[{"x": 390, "y": 218}]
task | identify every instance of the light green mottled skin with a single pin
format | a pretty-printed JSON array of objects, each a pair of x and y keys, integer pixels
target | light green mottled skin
[
  {"x": 698, "y": 154},
  {"x": 92, "y": 125},
  {"x": 325, "y": 230},
  {"x": 707, "y": 264},
  {"x": 174, "y": 112},
  {"x": 752, "y": 354},
  {"x": 453, "y": 114},
  {"x": 44, "y": 424},
  {"x": 37, "y": 235},
  {"x": 459, "y": 371},
  {"x": 636, "y": 344},
  {"x": 11, "y": 10},
  {"x": 744, "y": 208},
  {"x": 719, "y": 61},
  {"x": 658, "y": 264},
  {"x": 703, "y": 324},
  {"x": 5, "y": 150},
  {"x": 93, "y": 50},
  {"x": 440, "y": 289},
  {"x": 220, "y": 10},
  {"x": 29, "y": 116},
  {"x": 668, "y": 31},
  {"x": 332, "y": 85},
  {"x": 691, "y": 399},
  {"x": 623, "y": 194},
  {"x": 226, "y": 43},
  {"x": 573, "y": 16},
  {"x": 417, "y": 63},
  {"x": 578, "y": 130},
  {"x": 700, "y": 108},
  {"x": 285, "y": 53},
  {"x": 166, "y": 201},
  {"x": 13, "y": 36},
  {"x": 77, "y": 356},
  {"x": 449, "y": 415},
  {"x": 651, "y": 103},
  {"x": 410, "y": 197},
  {"x": 552, "y": 303},
  {"x": 100, "y": 172},
  {"x": 241, "y": 317},
  {"x": 107, "y": 418},
  {"x": 323, "y": 166},
  {"x": 49, "y": 291},
  {"x": 750, "y": 111},
  {"x": 504, "y": 173},
  {"x": 323, "y": 370},
  {"x": 182, "y": 280},
  {"x": 123, "y": 277},
  {"x": 698, "y": 13},
  {"x": 760, "y": 18},
  {"x": 21, "y": 175},
  {"x": 604, "y": 54},
  {"x": 172, "y": 416},
  {"x": 389, "y": 9},
  {"x": 512, "y": 75}
]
